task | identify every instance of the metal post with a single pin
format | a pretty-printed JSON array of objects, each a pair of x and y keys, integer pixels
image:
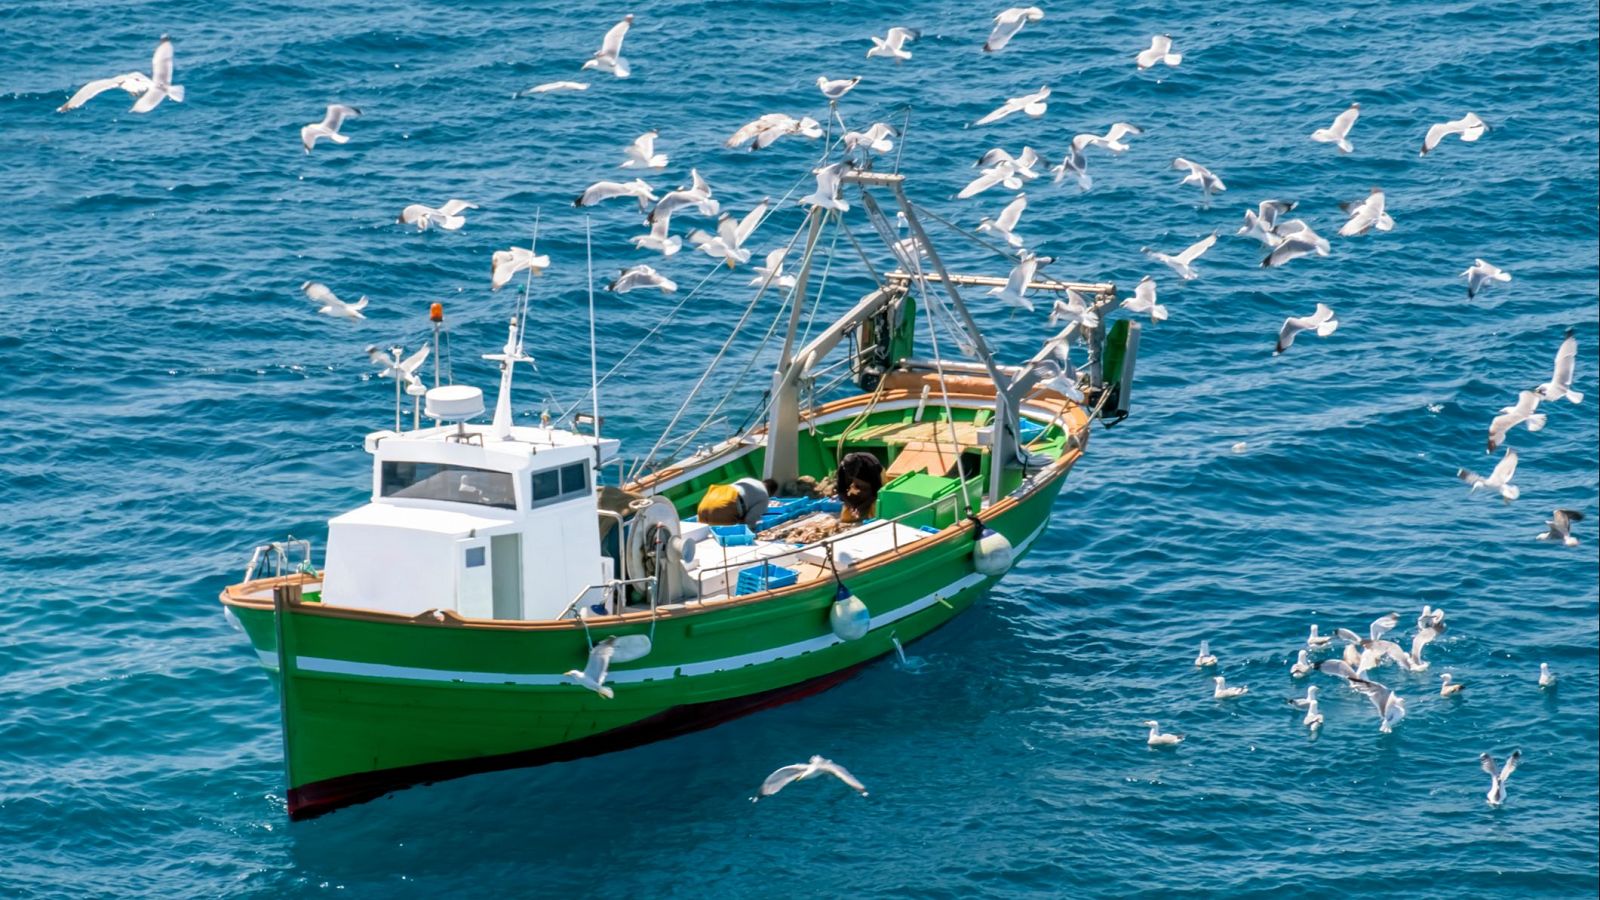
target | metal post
[{"x": 782, "y": 461}]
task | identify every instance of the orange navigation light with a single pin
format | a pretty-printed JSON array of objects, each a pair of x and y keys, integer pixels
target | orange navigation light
[{"x": 436, "y": 312}]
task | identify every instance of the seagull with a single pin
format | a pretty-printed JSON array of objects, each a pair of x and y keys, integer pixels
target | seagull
[
  {"x": 1313, "y": 719},
  {"x": 697, "y": 194},
  {"x": 1480, "y": 275},
  {"x": 1559, "y": 528},
  {"x": 1306, "y": 701},
  {"x": 1008, "y": 173},
  {"x": 601, "y": 191},
  {"x": 1338, "y": 133},
  {"x": 836, "y": 88},
  {"x": 1317, "y": 641},
  {"x": 641, "y": 154},
  {"x": 1144, "y": 301},
  {"x": 1425, "y": 636},
  {"x": 1004, "y": 225},
  {"x": 1206, "y": 657},
  {"x": 593, "y": 675},
  {"x": 551, "y": 87},
  {"x": 1076, "y": 164},
  {"x": 1430, "y": 617},
  {"x": 609, "y": 57},
  {"x": 658, "y": 239},
  {"x": 1366, "y": 215},
  {"x": 506, "y": 263},
  {"x": 329, "y": 126},
  {"x": 1182, "y": 263},
  {"x": 1338, "y": 668},
  {"x": 1512, "y": 416},
  {"x": 1560, "y": 384},
  {"x": 1374, "y": 649},
  {"x": 826, "y": 195},
  {"x": 1497, "y": 781},
  {"x": 728, "y": 243},
  {"x": 1033, "y": 104},
  {"x": 1157, "y": 739},
  {"x": 1160, "y": 52},
  {"x": 447, "y": 216},
  {"x": 764, "y": 130},
  {"x": 1302, "y": 666},
  {"x": 1322, "y": 321},
  {"x": 1024, "y": 164},
  {"x": 1391, "y": 706},
  {"x": 1448, "y": 686},
  {"x": 641, "y": 277},
  {"x": 1295, "y": 239},
  {"x": 1223, "y": 692},
  {"x": 1201, "y": 177},
  {"x": 1547, "y": 679},
  {"x": 773, "y": 270},
  {"x": 149, "y": 90},
  {"x": 1008, "y": 23},
  {"x": 1262, "y": 223},
  {"x": 893, "y": 44},
  {"x": 1499, "y": 480},
  {"x": 878, "y": 138},
  {"x": 405, "y": 370},
  {"x": 788, "y": 775},
  {"x": 332, "y": 305},
  {"x": 1074, "y": 309},
  {"x": 1112, "y": 140},
  {"x": 1469, "y": 127},
  {"x": 1014, "y": 292}
]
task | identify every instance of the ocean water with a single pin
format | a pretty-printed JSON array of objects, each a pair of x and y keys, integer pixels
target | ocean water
[{"x": 170, "y": 400}]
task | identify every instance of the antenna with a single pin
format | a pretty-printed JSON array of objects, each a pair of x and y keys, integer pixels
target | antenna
[
  {"x": 436, "y": 316},
  {"x": 512, "y": 354},
  {"x": 594, "y": 375}
]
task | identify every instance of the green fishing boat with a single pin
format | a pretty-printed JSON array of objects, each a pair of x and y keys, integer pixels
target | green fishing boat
[{"x": 497, "y": 604}]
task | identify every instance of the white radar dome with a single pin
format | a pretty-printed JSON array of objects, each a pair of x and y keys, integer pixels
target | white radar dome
[{"x": 453, "y": 403}]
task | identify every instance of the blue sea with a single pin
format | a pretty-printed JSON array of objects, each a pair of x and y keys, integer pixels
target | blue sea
[{"x": 169, "y": 400}]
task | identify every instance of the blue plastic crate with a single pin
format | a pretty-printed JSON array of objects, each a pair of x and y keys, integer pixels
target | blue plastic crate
[
  {"x": 784, "y": 509},
  {"x": 733, "y": 535},
  {"x": 828, "y": 505},
  {"x": 765, "y": 577},
  {"x": 1028, "y": 430}
]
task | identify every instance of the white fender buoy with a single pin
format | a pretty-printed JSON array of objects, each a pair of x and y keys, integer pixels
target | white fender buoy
[
  {"x": 991, "y": 553},
  {"x": 849, "y": 617},
  {"x": 629, "y": 647}
]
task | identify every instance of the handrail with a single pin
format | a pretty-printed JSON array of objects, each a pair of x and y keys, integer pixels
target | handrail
[{"x": 613, "y": 583}]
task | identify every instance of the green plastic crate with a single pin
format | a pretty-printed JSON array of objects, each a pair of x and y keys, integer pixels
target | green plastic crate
[{"x": 915, "y": 490}]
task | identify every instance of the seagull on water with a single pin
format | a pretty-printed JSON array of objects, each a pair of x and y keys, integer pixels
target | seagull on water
[
  {"x": 638, "y": 277},
  {"x": 1144, "y": 301},
  {"x": 1321, "y": 321},
  {"x": 1014, "y": 292},
  {"x": 835, "y": 88},
  {"x": 1374, "y": 648},
  {"x": 1004, "y": 225},
  {"x": 1430, "y": 617},
  {"x": 1560, "y": 384},
  {"x": 1313, "y": 719},
  {"x": 893, "y": 44},
  {"x": 506, "y": 263},
  {"x": 1157, "y": 739},
  {"x": 1160, "y": 51},
  {"x": 1469, "y": 127},
  {"x": 1008, "y": 23},
  {"x": 827, "y": 193},
  {"x": 331, "y": 305},
  {"x": 594, "y": 672},
  {"x": 1262, "y": 223},
  {"x": 1559, "y": 528},
  {"x": 1448, "y": 686},
  {"x": 1306, "y": 701},
  {"x": 149, "y": 90},
  {"x": 1338, "y": 133},
  {"x": 609, "y": 57},
  {"x": 1302, "y": 666},
  {"x": 1317, "y": 641},
  {"x": 1499, "y": 480},
  {"x": 601, "y": 191},
  {"x": 329, "y": 126},
  {"x": 1391, "y": 707},
  {"x": 1547, "y": 679},
  {"x": 1413, "y": 661},
  {"x": 1295, "y": 239},
  {"x": 1074, "y": 309},
  {"x": 1033, "y": 104},
  {"x": 1201, "y": 177},
  {"x": 1366, "y": 215},
  {"x": 728, "y": 243},
  {"x": 447, "y": 216},
  {"x": 1497, "y": 780},
  {"x": 1480, "y": 275},
  {"x": 551, "y": 87},
  {"x": 788, "y": 775},
  {"x": 641, "y": 154},
  {"x": 1512, "y": 416},
  {"x": 1183, "y": 262},
  {"x": 405, "y": 370},
  {"x": 1205, "y": 657},
  {"x": 772, "y": 271},
  {"x": 1223, "y": 692}
]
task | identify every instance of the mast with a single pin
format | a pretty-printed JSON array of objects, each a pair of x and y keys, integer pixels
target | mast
[{"x": 783, "y": 418}]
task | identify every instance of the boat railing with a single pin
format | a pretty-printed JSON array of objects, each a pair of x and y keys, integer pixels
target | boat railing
[{"x": 271, "y": 560}]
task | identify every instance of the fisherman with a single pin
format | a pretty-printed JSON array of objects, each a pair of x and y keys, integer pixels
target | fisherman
[
  {"x": 856, "y": 484},
  {"x": 742, "y": 503}
]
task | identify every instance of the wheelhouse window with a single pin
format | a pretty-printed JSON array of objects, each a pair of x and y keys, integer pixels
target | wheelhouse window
[
  {"x": 455, "y": 484},
  {"x": 553, "y": 485}
]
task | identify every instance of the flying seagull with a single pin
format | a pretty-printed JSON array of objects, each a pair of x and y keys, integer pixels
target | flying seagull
[
  {"x": 1160, "y": 51},
  {"x": 1480, "y": 275},
  {"x": 447, "y": 216},
  {"x": 1391, "y": 707},
  {"x": 641, "y": 276},
  {"x": 1559, "y": 528},
  {"x": 329, "y": 126},
  {"x": 1366, "y": 215},
  {"x": 1008, "y": 23},
  {"x": 697, "y": 195},
  {"x": 728, "y": 243},
  {"x": 506, "y": 263},
  {"x": 405, "y": 370},
  {"x": 764, "y": 130},
  {"x": 551, "y": 87},
  {"x": 1112, "y": 140},
  {"x": 827, "y": 193},
  {"x": 601, "y": 191},
  {"x": 1512, "y": 416},
  {"x": 137, "y": 84},
  {"x": 1338, "y": 133},
  {"x": 1295, "y": 239},
  {"x": 1033, "y": 104},
  {"x": 1183, "y": 262},
  {"x": 1424, "y": 636},
  {"x": 1499, "y": 480},
  {"x": 657, "y": 238},
  {"x": 1014, "y": 292},
  {"x": 1560, "y": 384},
  {"x": 1322, "y": 321},
  {"x": 878, "y": 138},
  {"x": 893, "y": 44},
  {"x": 1004, "y": 225},
  {"x": 1144, "y": 301},
  {"x": 1469, "y": 127},
  {"x": 332, "y": 305},
  {"x": 1157, "y": 739},
  {"x": 641, "y": 154},
  {"x": 609, "y": 57},
  {"x": 1261, "y": 223},
  {"x": 594, "y": 672},
  {"x": 1497, "y": 780},
  {"x": 1074, "y": 309},
  {"x": 788, "y": 775},
  {"x": 1201, "y": 177},
  {"x": 772, "y": 270},
  {"x": 1075, "y": 164}
]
